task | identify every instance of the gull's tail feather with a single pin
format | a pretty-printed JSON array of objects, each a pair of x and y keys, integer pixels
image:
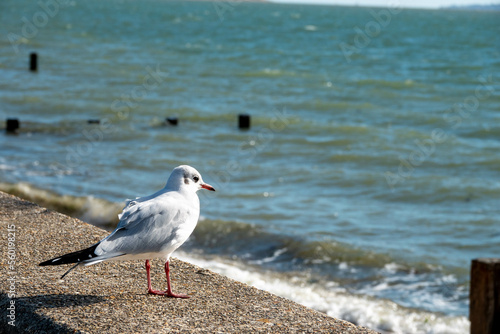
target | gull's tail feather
[
  {"x": 84, "y": 257},
  {"x": 78, "y": 257},
  {"x": 76, "y": 265}
]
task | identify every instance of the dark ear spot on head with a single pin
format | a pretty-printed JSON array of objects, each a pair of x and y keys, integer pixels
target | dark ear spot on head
[{"x": 186, "y": 180}]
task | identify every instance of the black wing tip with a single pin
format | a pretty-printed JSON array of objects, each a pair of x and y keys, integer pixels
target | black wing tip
[
  {"x": 75, "y": 257},
  {"x": 70, "y": 269},
  {"x": 45, "y": 263}
]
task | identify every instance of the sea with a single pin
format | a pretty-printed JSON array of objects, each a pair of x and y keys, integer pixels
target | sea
[{"x": 369, "y": 177}]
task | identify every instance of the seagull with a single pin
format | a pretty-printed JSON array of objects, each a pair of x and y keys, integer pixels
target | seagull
[{"x": 150, "y": 227}]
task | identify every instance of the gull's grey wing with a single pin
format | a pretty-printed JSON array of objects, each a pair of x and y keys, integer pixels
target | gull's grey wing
[{"x": 148, "y": 227}]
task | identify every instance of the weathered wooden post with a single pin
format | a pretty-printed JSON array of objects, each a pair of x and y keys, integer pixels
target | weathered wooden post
[
  {"x": 172, "y": 120},
  {"x": 12, "y": 124},
  {"x": 484, "y": 306},
  {"x": 33, "y": 62},
  {"x": 244, "y": 121}
]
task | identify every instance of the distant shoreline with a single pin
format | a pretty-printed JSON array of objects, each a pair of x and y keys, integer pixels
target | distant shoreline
[
  {"x": 235, "y": 3},
  {"x": 231, "y": 3}
]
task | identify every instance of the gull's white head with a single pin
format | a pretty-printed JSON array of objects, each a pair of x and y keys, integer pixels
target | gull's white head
[{"x": 186, "y": 177}]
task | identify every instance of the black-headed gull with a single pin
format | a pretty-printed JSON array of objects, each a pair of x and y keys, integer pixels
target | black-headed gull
[{"x": 150, "y": 227}]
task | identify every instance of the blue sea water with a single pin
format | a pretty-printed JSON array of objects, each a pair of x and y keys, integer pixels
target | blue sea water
[{"x": 369, "y": 178}]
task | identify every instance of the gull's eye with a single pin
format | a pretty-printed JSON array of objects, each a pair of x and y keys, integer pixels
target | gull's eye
[{"x": 196, "y": 179}]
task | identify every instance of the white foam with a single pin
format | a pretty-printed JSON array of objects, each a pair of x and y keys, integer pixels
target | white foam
[
  {"x": 330, "y": 298},
  {"x": 98, "y": 211},
  {"x": 6, "y": 167},
  {"x": 410, "y": 290},
  {"x": 310, "y": 28},
  {"x": 271, "y": 258},
  {"x": 88, "y": 208}
]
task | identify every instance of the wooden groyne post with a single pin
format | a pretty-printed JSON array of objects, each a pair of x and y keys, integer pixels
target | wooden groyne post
[
  {"x": 484, "y": 311},
  {"x": 33, "y": 62},
  {"x": 244, "y": 121}
]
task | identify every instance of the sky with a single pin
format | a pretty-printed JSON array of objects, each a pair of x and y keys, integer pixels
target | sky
[{"x": 396, "y": 3}]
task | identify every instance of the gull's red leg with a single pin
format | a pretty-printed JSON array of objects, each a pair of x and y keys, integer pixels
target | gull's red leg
[
  {"x": 150, "y": 289},
  {"x": 169, "y": 292}
]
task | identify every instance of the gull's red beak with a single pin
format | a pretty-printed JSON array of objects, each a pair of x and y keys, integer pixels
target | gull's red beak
[{"x": 207, "y": 186}]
